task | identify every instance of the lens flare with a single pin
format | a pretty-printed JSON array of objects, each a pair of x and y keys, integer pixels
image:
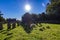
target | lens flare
[{"x": 27, "y": 7}]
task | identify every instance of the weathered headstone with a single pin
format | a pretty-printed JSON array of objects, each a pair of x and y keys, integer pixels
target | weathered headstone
[
  {"x": 27, "y": 21},
  {"x": 13, "y": 25},
  {"x": 11, "y": 21},
  {"x": 8, "y": 25},
  {"x": 18, "y": 23},
  {"x": 1, "y": 20},
  {"x": 1, "y": 26}
]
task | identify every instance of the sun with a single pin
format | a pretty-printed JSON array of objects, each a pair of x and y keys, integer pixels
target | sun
[{"x": 27, "y": 7}]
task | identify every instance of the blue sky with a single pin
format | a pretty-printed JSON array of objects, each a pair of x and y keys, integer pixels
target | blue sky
[{"x": 15, "y": 8}]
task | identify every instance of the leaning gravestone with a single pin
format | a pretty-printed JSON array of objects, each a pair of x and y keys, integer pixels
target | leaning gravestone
[{"x": 1, "y": 26}]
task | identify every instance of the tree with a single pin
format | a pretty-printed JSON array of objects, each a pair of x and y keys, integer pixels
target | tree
[
  {"x": 1, "y": 18},
  {"x": 35, "y": 18},
  {"x": 42, "y": 17},
  {"x": 54, "y": 7},
  {"x": 51, "y": 1},
  {"x": 53, "y": 10}
]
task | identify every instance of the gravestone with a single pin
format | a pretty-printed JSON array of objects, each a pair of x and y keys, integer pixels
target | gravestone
[
  {"x": 1, "y": 26},
  {"x": 11, "y": 21},
  {"x": 1, "y": 21},
  {"x": 18, "y": 23},
  {"x": 13, "y": 25},
  {"x": 8, "y": 25},
  {"x": 27, "y": 21}
]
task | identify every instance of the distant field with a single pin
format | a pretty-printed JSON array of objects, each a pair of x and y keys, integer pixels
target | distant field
[{"x": 48, "y": 33}]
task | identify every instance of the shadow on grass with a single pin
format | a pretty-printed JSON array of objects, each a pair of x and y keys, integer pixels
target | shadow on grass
[
  {"x": 9, "y": 34},
  {"x": 8, "y": 38},
  {"x": 2, "y": 31},
  {"x": 5, "y": 32}
]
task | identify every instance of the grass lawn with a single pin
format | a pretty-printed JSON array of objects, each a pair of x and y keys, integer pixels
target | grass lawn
[{"x": 48, "y": 33}]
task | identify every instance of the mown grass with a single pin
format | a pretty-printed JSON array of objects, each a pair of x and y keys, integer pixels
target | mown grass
[{"x": 51, "y": 33}]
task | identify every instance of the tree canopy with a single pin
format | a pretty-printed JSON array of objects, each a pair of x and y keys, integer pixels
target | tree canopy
[{"x": 53, "y": 7}]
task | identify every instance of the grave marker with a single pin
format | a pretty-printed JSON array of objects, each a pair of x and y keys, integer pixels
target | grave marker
[{"x": 1, "y": 26}]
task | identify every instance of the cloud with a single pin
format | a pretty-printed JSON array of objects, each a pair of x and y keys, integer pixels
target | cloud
[{"x": 43, "y": 4}]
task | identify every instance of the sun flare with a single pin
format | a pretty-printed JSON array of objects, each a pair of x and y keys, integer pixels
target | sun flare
[{"x": 27, "y": 7}]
